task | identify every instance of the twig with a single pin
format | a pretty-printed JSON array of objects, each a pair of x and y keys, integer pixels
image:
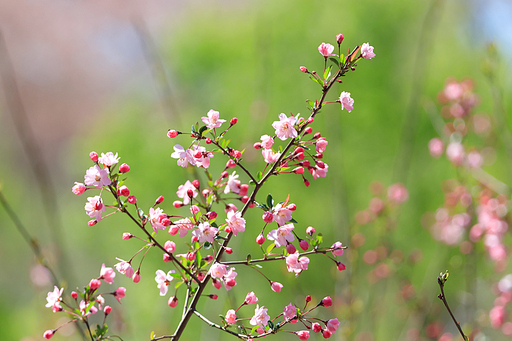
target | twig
[{"x": 441, "y": 280}]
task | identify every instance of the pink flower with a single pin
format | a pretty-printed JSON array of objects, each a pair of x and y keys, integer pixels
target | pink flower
[
  {"x": 108, "y": 159},
  {"x": 497, "y": 316},
  {"x": 132, "y": 199},
  {"x": 205, "y": 232},
  {"x": 303, "y": 335},
  {"x": 250, "y": 298},
  {"x": 218, "y": 270},
  {"x": 119, "y": 293},
  {"x": 260, "y": 239},
  {"x": 212, "y": 119},
  {"x": 310, "y": 230},
  {"x": 230, "y": 316},
  {"x": 48, "y": 334},
  {"x": 163, "y": 280},
  {"x": 270, "y": 156},
  {"x": 260, "y": 317},
  {"x": 333, "y": 324},
  {"x": 318, "y": 172},
  {"x": 337, "y": 249},
  {"x": 235, "y": 222},
  {"x": 325, "y": 49},
  {"x": 183, "y": 192},
  {"x": 78, "y": 188},
  {"x": 184, "y": 156},
  {"x": 267, "y": 142},
  {"x": 107, "y": 274},
  {"x": 289, "y": 311},
  {"x": 346, "y": 101},
  {"x": 97, "y": 177},
  {"x": 281, "y": 235},
  {"x": 184, "y": 226},
  {"x": 229, "y": 279},
  {"x": 284, "y": 127},
  {"x": 158, "y": 219},
  {"x": 367, "y": 51},
  {"x": 170, "y": 246},
  {"x": 53, "y": 297},
  {"x": 281, "y": 214},
  {"x": 397, "y": 193},
  {"x": 276, "y": 286},
  {"x": 233, "y": 184},
  {"x": 436, "y": 147},
  {"x": 173, "y": 301},
  {"x": 124, "y": 267},
  {"x": 455, "y": 153},
  {"x": 201, "y": 156},
  {"x": 107, "y": 310},
  {"x": 268, "y": 217},
  {"x": 94, "y": 284},
  {"x": 320, "y": 145},
  {"x": 94, "y": 208},
  {"x": 294, "y": 264}
]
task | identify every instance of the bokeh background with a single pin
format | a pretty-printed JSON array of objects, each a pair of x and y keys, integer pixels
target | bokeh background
[{"x": 115, "y": 75}]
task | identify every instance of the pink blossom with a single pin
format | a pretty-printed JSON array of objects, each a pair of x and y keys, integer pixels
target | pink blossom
[
  {"x": 303, "y": 335},
  {"x": 124, "y": 191},
  {"x": 251, "y": 298},
  {"x": 108, "y": 159},
  {"x": 268, "y": 217},
  {"x": 260, "y": 239},
  {"x": 325, "y": 49},
  {"x": 453, "y": 91},
  {"x": 284, "y": 127},
  {"x": 281, "y": 214},
  {"x": 136, "y": 276},
  {"x": 124, "y": 268},
  {"x": 267, "y": 142},
  {"x": 260, "y": 317},
  {"x": 218, "y": 270},
  {"x": 397, "y": 193},
  {"x": 310, "y": 230},
  {"x": 97, "y": 177},
  {"x": 48, "y": 334},
  {"x": 85, "y": 310},
  {"x": 337, "y": 249},
  {"x": 107, "y": 274},
  {"x": 367, "y": 51},
  {"x": 171, "y": 133},
  {"x": 317, "y": 328},
  {"x": 289, "y": 311},
  {"x": 294, "y": 264},
  {"x": 205, "y": 232},
  {"x": 303, "y": 69},
  {"x": 158, "y": 219},
  {"x": 235, "y": 222},
  {"x": 270, "y": 156},
  {"x": 229, "y": 279},
  {"x": 119, "y": 293},
  {"x": 230, "y": 316},
  {"x": 184, "y": 225},
  {"x": 346, "y": 101},
  {"x": 304, "y": 245},
  {"x": 233, "y": 184},
  {"x": 107, "y": 310},
  {"x": 173, "y": 301},
  {"x": 475, "y": 159},
  {"x": 124, "y": 168},
  {"x": 497, "y": 316},
  {"x": 276, "y": 286},
  {"x": 281, "y": 235},
  {"x": 163, "y": 280},
  {"x": 333, "y": 325},
  {"x": 184, "y": 156},
  {"x": 53, "y": 297},
  {"x": 320, "y": 145},
  {"x": 318, "y": 172},
  {"x": 326, "y": 333},
  {"x": 327, "y": 301},
  {"x": 78, "y": 188},
  {"x": 183, "y": 192},
  {"x": 170, "y": 246},
  {"x": 260, "y": 330},
  {"x": 94, "y": 156},
  {"x": 201, "y": 156},
  {"x": 132, "y": 199},
  {"x": 95, "y": 208},
  {"x": 455, "y": 153},
  {"x": 339, "y": 38},
  {"x": 340, "y": 266},
  {"x": 436, "y": 147},
  {"x": 94, "y": 284},
  {"x": 212, "y": 119}
]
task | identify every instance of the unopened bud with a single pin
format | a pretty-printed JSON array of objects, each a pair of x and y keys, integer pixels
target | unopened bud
[
  {"x": 173, "y": 302},
  {"x": 260, "y": 239},
  {"x": 208, "y": 258},
  {"x": 298, "y": 150},
  {"x": 310, "y": 230},
  {"x": 300, "y": 156},
  {"x": 124, "y": 168},
  {"x": 172, "y": 133},
  {"x": 237, "y": 154},
  {"x": 159, "y": 200},
  {"x": 306, "y": 182},
  {"x": 93, "y": 156},
  {"x": 177, "y": 204},
  {"x": 339, "y": 38},
  {"x": 320, "y": 164},
  {"x": 317, "y": 135},
  {"x": 132, "y": 199},
  {"x": 244, "y": 199},
  {"x": 127, "y": 236},
  {"x": 74, "y": 294},
  {"x": 308, "y": 298},
  {"x": 233, "y": 121},
  {"x": 190, "y": 193},
  {"x": 243, "y": 190},
  {"x": 229, "y": 250},
  {"x": 303, "y": 69},
  {"x": 136, "y": 277},
  {"x": 326, "y": 301},
  {"x": 213, "y": 296},
  {"x": 340, "y": 266},
  {"x": 211, "y": 215},
  {"x": 257, "y": 145},
  {"x": 298, "y": 170},
  {"x": 224, "y": 175},
  {"x": 310, "y": 120},
  {"x": 195, "y": 183},
  {"x": 290, "y": 248},
  {"x": 292, "y": 207},
  {"x": 92, "y": 222},
  {"x": 319, "y": 156},
  {"x": 191, "y": 256},
  {"x": 107, "y": 310},
  {"x": 305, "y": 163},
  {"x": 230, "y": 164},
  {"x": 304, "y": 245},
  {"x": 208, "y": 140},
  {"x": 308, "y": 130}
]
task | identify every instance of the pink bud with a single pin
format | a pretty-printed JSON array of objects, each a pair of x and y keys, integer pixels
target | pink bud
[
  {"x": 191, "y": 256},
  {"x": 166, "y": 258},
  {"x": 340, "y": 266},
  {"x": 327, "y": 301},
  {"x": 305, "y": 163},
  {"x": 244, "y": 199},
  {"x": 310, "y": 230},
  {"x": 136, "y": 277},
  {"x": 243, "y": 190},
  {"x": 229, "y": 250},
  {"x": 213, "y": 296},
  {"x": 124, "y": 191},
  {"x": 159, "y": 200},
  {"x": 339, "y": 38},
  {"x": 177, "y": 204},
  {"x": 276, "y": 286},
  {"x": 303, "y": 69},
  {"x": 298, "y": 170},
  {"x": 119, "y": 293},
  {"x": 304, "y": 245},
  {"x": 303, "y": 335},
  {"x": 208, "y": 140},
  {"x": 127, "y": 236},
  {"x": 94, "y": 284},
  {"x": 194, "y": 209},
  {"x": 190, "y": 193},
  {"x": 200, "y": 276},
  {"x": 231, "y": 282},
  {"x": 320, "y": 164},
  {"x": 48, "y": 334},
  {"x": 206, "y": 192},
  {"x": 174, "y": 229},
  {"x": 230, "y": 164},
  {"x": 251, "y": 298},
  {"x": 319, "y": 156},
  {"x": 233, "y": 121},
  {"x": 326, "y": 333},
  {"x": 310, "y": 120},
  {"x": 257, "y": 145},
  {"x": 308, "y": 130},
  {"x": 317, "y": 135},
  {"x": 170, "y": 246},
  {"x": 173, "y": 301},
  {"x": 292, "y": 207},
  {"x": 93, "y": 156},
  {"x": 211, "y": 215},
  {"x": 308, "y": 298},
  {"x": 195, "y": 183},
  {"x": 252, "y": 204},
  {"x": 300, "y": 156},
  {"x": 208, "y": 258},
  {"x": 172, "y": 133},
  {"x": 195, "y": 239},
  {"x": 74, "y": 294},
  {"x": 260, "y": 239},
  {"x": 132, "y": 199},
  {"x": 317, "y": 328},
  {"x": 92, "y": 222},
  {"x": 237, "y": 154},
  {"x": 124, "y": 168},
  {"x": 290, "y": 248},
  {"x": 306, "y": 182},
  {"x": 107, "y": 310},
  {"x": 78, "y": 188},
  {"x": 268, "y": 217}
]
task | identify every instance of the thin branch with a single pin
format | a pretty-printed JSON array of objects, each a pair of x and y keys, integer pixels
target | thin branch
[{"x": 441, "y": 280}]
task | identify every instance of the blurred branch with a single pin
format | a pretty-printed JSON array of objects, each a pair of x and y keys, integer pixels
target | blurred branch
[
  {"x": 410, "y": 123},
  {"x": 157, "y": 70}
]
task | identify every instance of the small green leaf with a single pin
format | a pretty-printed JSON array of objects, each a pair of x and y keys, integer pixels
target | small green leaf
[
  {"x": 316, "y": 80},
  {"x": 270, "y": 201},
  {"x": 335, "y": 61},
  {"x": 202, "y": 129},
  {"x": 260, "y": 175},
  {"x": 178, "y": 285},
  {"x": 293, "y": 221},
  {"x": 327, "y": 72},
  {"x": 342, "y": 58},
  {"x": 269, "y": 248},
  {"x": 319, "y": 238},
  {"x": 249, "y": 258},
  {"x": 152, "y": 335}
]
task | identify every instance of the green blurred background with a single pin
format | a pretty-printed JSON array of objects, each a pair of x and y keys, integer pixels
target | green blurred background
[{"x": 242, "y": 59}]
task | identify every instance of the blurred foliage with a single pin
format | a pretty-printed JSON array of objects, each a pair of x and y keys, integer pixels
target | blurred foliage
[{"x": 243, "y": 60}]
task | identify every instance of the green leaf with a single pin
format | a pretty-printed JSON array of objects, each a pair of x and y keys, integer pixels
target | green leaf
[
  {"x": 269, "y": 248},
  {"x": 327, "y": 72},
  {"x": 152, "y": 335},
  {"x": 316, "y": 80},
  {"x": 319, "y": 238},
  {"x": 249, "y": 258},
  {"x": 178, "y": 285},
  {"x": 342, "y": 58},
  {"x": 311, "y": 103},
  {"x": 293, "y": 221},
  {"x": 335, "y": 61},
  {"x": 202, "y": 129},
  {"x": 260, "y": 175},
  {"x": 270, "y": 201}
]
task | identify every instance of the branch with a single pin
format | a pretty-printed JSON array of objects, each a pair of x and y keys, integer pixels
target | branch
[{"x": 441, "y": 280}]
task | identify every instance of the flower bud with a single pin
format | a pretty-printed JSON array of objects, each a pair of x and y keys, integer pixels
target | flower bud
[
  {"x": 194, "y": 209},
  {"x": 159, "y": 200},
  {"x": 94, "y": 284},
  {"x": 340, "y": 266},
  {"x": 310, "y": 230},
  {"x": 319, "y": 156},
  {"x": 177, "y": 204},
  {"x": 208, "y": 258},
  {"x": 136, "y": 277},
  {"x": 92, "y": 222},
  {"x": 74, "y": 294},
  {"x": 124, "y": 168},
  {"x": 48, "y": 334},
  {"x": 317, "y": 135},
  {"x": 191, "y": 256},
  {"x": 211, "y": 215},
  {"x": 124, "y": 191},
  {"x": 303, "y": 69},
  {"x": 237, "y": 154},
  {"x": 300, "y": 156},
  {"x": 127, "y": 236},
  {"x": 230, "y": 164},
  {"x": 257, "y": 145},
  {"x": 229, "y": 250},
  {"x": 173, "y": 301},
  {"x": 326, "y": 333},
  {"x": 252, "y": 204},
  {"x": 244, "y": 199},
  {"x": 233, "y": 121},
  {"x": 93, "y": 156},
  {"x": 339, "y": 38},
  {"x": 231, "y": 282},
  {"x": 298, "y": 170},
  {"x": 224, "y": 175},
  {"x": 78, "y": 188},
  {"x": 166, "y": 258},
  {"x": 298, "y": 150},
  {"x": 195, "y": 183},
  {"x": 208, "y": 140},
  {"x": 172, "y": 133},
  {"x": 170, "y": 246},
  {"x": 306, "y": 182},
  {"x": 268, "y": 217},
  {"x": 276, "y": 286},
  {"x": 303, "y": 335},
  {"x": 213, "y": 296},
  {"x": 308, "y": 298},
  {"x": 243, "y": 189},
  {"x": 326, "y": 301},
  {"x": 292, "y": 207},
  {"x": 317, "y": 328},
  {"x": 206, "y": 192},
  {"x": 308, "y": 130},
  {"x": 290, "y": 248},
  {"x": 190, "y": 193},
  {"x": 107, "y": 310},
  {"x": 304, "y": 245},
  {"x": 132, "y": 199},
  {"x": 310, "y": 120},
  {"x": 320, "y": 164},
  {"x": 260, "y": 239}
]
